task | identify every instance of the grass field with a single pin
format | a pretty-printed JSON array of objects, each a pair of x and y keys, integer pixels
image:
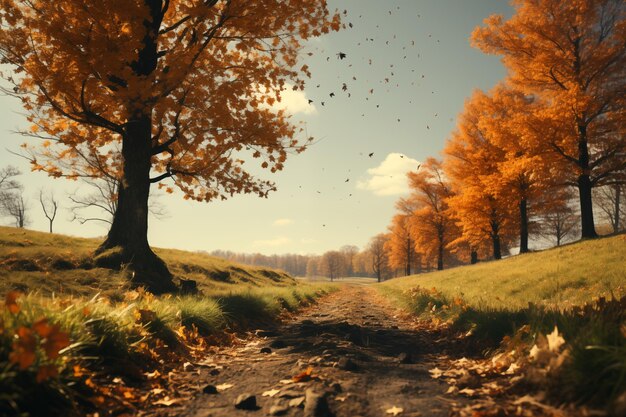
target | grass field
[
  {"x": 68, "y": 327},
  {"x": 578, "y": 289},
  {"x": 51, "y": 263},
  {"x": 559, "y": 277}
]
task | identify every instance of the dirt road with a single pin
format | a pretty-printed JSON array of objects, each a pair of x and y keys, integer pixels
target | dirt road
[{"x": 364, "y": 358}]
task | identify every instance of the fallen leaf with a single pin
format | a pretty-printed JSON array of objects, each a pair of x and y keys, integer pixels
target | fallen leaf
[
  {"x": 394, "y": 410},
  {"x": 467, "y": 391},
  {"x": 304, "y": 376},
  {"x": 167, "y": 401},
  {"x": 436, "y": 373},
  {"x": 270, "y": 393},
  {"x": 11, "y": 301},
  {"x": 222, "y": 387},
  {"x": 555, "y": 341}
]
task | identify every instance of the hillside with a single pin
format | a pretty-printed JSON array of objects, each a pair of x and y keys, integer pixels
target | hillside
[
  {"x": 53, "y": 263},
  {"x": 565, "y": 276}
]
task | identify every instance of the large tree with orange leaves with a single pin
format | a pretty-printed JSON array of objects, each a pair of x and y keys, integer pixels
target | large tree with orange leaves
[
  {"x": 572, "y": 55},
  {"x": 432, "y": 227},
  {"x": 183, "y": 89},
  {"x": 482, "y": 208}
]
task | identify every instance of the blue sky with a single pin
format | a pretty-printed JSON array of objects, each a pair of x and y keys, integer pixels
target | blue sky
[{"x": 416, "y": 57}]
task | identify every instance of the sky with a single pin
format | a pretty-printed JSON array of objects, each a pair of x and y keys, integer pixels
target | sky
[{"x": 415, "y": 56}]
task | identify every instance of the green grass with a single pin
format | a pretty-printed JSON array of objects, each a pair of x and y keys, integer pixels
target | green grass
[
  {"x": 561, "y": 277},
  {"x": 113, "y": 329},
  {"x": 578, "y": 288},
  {"x": 51, "y": 263}
]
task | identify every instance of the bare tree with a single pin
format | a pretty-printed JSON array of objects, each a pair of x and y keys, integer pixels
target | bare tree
[
  {"x": 376, "y": 249},
  {"x": 11, "y": 199},
  {"x": 609, "y": 201},
  {"x": 561, "y": 223},
  {"x": 7, "y": 181},
  {"x": 332, "y": 264},
  {"x": 12, "y": 204},
  {"x": 49, "y": 206},
  {"x": 100, "y": 204}
]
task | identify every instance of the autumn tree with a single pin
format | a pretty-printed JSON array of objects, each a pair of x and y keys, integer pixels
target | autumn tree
[
  {"x": 498, "y": 169},
  {"x": 378, "y": 256},
  {"x": 332, "y": 264},
  {"x": 400, "y": 246},
  {"x": 349, "y": 252},
  {"x": 184, "y": 89},
  {"x": 312, "y": 267},
  {"x": 432, "y": 227},
  {"x": 572, "y": 56}
]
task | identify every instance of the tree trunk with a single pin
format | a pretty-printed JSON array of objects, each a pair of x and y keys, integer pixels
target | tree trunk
[
  {"x": 618, "y": 192},
  {"x": 50, "y": 226},
  {"x": 588, "y": 229},
  {"x": 523, "y": 239},
  {"x": 440, "y": 257},
  {"x": 497, "y": 251},
  {"x": 473, "y": 257},
  {"x": 129, "y": 230}
]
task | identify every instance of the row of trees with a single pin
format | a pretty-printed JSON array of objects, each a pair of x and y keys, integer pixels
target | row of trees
[
  {"x": 529, "y": 157},
  {"x": 555, "y": 125}
]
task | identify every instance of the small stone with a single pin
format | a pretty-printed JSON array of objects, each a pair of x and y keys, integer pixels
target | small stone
[
  {"x": 214, "y": 372},
  {"x": 265, "y": 350},
  {"x": 289, "y": 394},
  {"x": 210, "y": 389},
  {"x": 336, "y": 387},
  {"x": 316, "y": 405},
  {"x": 296, "y": 402},
  {"x": 307, "y": 322},
  {"x": 405, "y": 357},
  {"x": 347, "y": 364},
  {"x": 278, "y": 409},
  {"x": 246, "y": 402},
  {"x": 278, "y": 344}
]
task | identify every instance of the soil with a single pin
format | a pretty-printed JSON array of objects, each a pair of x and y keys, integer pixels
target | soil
[{"x": 365, "y": 358}]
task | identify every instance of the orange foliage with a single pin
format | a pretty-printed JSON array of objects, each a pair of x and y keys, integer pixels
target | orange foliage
[
  {"x": 400, "y": 246},
  {"x": 571, "y": 56},
  {"x": 206, "y": 73},
  {"x": 432, "y": 227},
  {"x": 484, "y": 214}
]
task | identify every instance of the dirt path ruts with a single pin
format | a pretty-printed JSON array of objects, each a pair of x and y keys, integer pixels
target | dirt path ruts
[{"x": 366, "y": 357}]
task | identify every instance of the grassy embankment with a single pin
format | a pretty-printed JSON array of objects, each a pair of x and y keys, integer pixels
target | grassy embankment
[
  {"x": 74, "y": 326},
  {"x": 579, "y": 288}
]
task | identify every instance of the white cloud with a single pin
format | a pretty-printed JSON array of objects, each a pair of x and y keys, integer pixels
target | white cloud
[
  {"x": 306, "y": 241},
  {"x": 295, "y": 102},
  {"x": 283, "y": 222},
  {"x": 292, "y": 101},
  {"x": 389, "y": 178},
  {"x": 277, "y": 241}
]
